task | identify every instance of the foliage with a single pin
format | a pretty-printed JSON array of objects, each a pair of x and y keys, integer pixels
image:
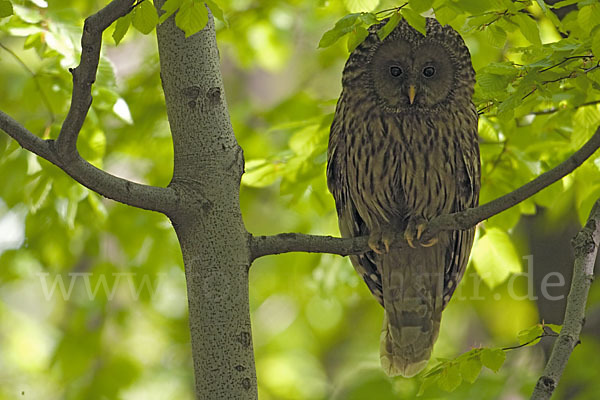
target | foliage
[{"x": 315, "y": 326}]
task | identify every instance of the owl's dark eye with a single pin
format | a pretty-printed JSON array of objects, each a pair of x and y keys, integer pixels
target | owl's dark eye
[
  {"x": 428, "y": 72},
  {"x": 395, "y": 71}
]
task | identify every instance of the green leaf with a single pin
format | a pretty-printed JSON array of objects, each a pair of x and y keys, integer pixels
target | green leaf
[
  {"x": 530, "y": 334},
  {"x": 491, "y": 83},
  {"x": 542, "y": 5},
  {"x": 496, "y": 36},
  {"x": 596, "y": 44},
  {"x": 6, "y": 9},
  {"x": 474, "y": 6},
  {"x": 415, "y": 20},
  {"x": 555, "y": 328},
  {"x": 393, "y": 22},
  {"x": 589, "y": 17},
  {"x": 259, "y": 173},
  {"x": 121, "y": 28},
  {"x": 529, "y": 28},
  {"x": 144, "y": 17},
  {"x": 450, "y": 378},
  {"x": 360, "y": 5},
  {"x": 169, "y": 8},
  {"x": 356, "y": 37},
  {"x": 191, "y": 17},
  {"x": 342, "y": 27},
  {"x": 470, "y": 368},
  {"x": 216, "y": 10},
  {"x": 493, "y": 358},
  {"x": 495, "y": 257},
  {"x": 486, "y": 130},
  {"x": 562, "y": 4},
  {"x": 420, "y": 6},
  {"x": 502, "y": 68},
  {"x": 369, "y": 18}
]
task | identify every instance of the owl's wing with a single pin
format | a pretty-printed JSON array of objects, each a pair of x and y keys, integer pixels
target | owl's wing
[
  {"x": 350, "y": 222},
  {"x": 468, "y": 183}
]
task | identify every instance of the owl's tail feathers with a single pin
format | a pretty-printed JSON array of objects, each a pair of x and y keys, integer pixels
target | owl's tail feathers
[{"x": 408, "y": 350}]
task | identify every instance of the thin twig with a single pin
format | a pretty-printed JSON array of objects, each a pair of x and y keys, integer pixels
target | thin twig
[
  {"x": 555, "y": 109},
  {"x": 585, "y": 245},
  {"x": 543, "y": 335},
  {"x": 570, "y": 58},
  {"x": 291, "y": 242}
]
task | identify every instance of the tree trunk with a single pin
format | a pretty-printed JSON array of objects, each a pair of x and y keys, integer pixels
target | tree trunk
[{"x": 208, "y": 165}]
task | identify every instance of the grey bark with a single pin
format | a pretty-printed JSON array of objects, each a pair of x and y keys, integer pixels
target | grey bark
[
  {"x": 585, "y": 245},
  {"x": 208, "y": 165}
]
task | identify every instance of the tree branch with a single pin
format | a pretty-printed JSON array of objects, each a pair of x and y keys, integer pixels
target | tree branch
[
  {"x": 84, "y": 75},
  {"x": 585, "y": 246},
  {"x": 63, "y": 152},
  {"x": 289, "y": 242}
]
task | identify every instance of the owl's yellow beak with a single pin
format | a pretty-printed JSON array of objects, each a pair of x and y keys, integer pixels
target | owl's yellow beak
[{"x": 412, "y": 91}]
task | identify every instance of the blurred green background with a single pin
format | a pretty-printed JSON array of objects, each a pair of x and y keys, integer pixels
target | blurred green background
[{"x": 92, "y": 293}]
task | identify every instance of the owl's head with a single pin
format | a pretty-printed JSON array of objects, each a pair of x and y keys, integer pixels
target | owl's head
[{"x": 408, "y": 71}]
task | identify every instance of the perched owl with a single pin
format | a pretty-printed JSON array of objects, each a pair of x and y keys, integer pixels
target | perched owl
[{"x": 403, "y": 149}]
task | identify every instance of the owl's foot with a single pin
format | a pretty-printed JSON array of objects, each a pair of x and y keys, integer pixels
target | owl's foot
[
  {"x": 380, "y": 241},
  {"x": 414, "y": 230}
]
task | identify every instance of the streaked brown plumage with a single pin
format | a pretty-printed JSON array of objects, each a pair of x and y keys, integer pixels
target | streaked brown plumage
[{"x": 403, "y": 149}]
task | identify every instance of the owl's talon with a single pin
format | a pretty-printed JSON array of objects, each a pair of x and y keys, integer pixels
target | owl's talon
[
  {"x": 415, "y": 228},
  {"x": 420, "y": 228},
  {"x": 409, "y": 238},
  {"x": 430, "y": 242},
  {"x": 375, "y": 241}
]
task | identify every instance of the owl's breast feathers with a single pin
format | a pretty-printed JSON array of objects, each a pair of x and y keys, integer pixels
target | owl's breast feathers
[{"x": 397, "y": 165}]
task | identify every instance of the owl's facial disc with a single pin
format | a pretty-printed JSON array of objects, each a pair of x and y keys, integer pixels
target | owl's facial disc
[{"x": 407, "y": 76}]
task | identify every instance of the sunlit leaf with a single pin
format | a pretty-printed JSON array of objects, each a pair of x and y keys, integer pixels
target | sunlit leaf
[
  {"x": 493, "y": 358},
  {"x": 529, "y": 28},
  {"x": 589, "y": 16},
  {"x": 415, "y": 20},
  {"x": 420, "y": 6},
  {"x": 216, "y": 10},
  {"x": 470, "y": 368},
  {"x": 495, "y": 257},
  {"x": 356, "y": 37},
  {"x": 191, "y": 17},
  {"x": 596, "y": 44},
  {"x": 144, "y": 17},
  {"x": 169, "y": 7},
  {"x": 341, "y": 28},
  {"x": 393, "y": 22},
  {"x": 360, "y": 5},
  {"x": 450, "y": 378},
  {"x": 121, "y": 28},
  {"x": 529, "y": 335}
]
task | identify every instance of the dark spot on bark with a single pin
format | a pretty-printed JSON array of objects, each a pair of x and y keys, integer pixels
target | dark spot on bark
[
  {"x": 548, "y": 382},
  {"x": 206, "y": 205},
  {"x": 192, "y": 92},
  {"x": 192, "y": 104},
  {"x": 246, "y": 384},
  {"x": 244, "y": 339},
  {"x": 239, "y": 368},
  {"x": 214, "y": 95}
]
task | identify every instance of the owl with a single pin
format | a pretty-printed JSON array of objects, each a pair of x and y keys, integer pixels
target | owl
[{"x": 403, "y": 149}]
